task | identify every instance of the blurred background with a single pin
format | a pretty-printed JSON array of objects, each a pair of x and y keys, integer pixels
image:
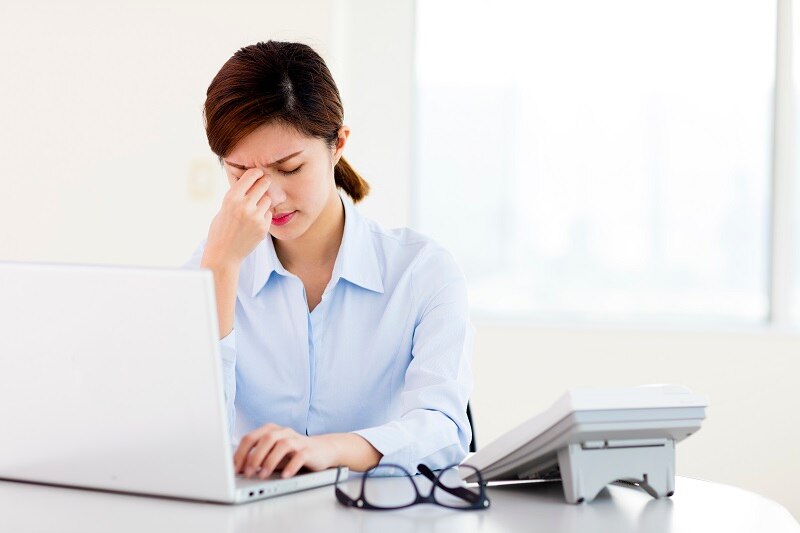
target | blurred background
[{"x": 618, "y": 180}]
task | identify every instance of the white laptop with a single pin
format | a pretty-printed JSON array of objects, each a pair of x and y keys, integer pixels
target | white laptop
[{"x": 110, "y": 379}]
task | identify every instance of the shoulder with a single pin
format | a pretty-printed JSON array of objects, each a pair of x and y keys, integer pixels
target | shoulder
[
  {"x": 408, "y": 256},
  {"x": 411, "y": 248}
]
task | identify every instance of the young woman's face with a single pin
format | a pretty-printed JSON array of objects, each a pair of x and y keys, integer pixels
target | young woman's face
[{"x": 300, "y": 169}]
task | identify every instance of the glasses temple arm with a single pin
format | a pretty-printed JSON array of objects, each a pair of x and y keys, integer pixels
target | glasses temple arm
[{"x": 460, "y": 492}]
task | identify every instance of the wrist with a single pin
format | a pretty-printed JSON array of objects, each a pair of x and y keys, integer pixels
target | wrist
[
  {"x": 219, "y": 265},
  {"x": 331, "y": 445},
  {"x": 351, "y": 450}
]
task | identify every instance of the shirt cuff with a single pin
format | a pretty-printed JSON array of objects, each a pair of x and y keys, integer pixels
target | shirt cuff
[
  {"x": 227, "y": 347},
  {"x": 392, "y": 442}
]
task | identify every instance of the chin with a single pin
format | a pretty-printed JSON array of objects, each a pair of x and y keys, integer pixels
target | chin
[{"x": 281, "y": 234}]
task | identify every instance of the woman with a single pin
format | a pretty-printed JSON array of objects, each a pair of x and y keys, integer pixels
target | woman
[{"x": 343, "y": 343}]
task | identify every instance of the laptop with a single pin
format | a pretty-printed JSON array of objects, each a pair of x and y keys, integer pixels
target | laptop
[{"x": 110, "y": 379}]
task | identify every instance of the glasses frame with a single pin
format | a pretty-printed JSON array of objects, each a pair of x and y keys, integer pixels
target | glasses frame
[{"x": 477, "y": 501}]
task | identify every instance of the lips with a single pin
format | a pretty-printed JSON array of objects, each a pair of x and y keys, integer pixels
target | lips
[{"x": 282, "y": 219}]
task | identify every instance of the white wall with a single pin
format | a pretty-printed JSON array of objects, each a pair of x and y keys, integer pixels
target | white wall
[
  {"x": 105, "y": 161},
  {"x": 373, "y": 46}
]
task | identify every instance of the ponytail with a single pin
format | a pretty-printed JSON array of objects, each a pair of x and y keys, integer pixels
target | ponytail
[{"x": 350, "y": 181}]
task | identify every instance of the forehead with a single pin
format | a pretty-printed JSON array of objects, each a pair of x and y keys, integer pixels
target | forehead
[{"x": 269, "y": 143}]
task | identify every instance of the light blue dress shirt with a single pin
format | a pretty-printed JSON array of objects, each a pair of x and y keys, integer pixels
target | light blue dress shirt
[{"x": 385, "y": 354}]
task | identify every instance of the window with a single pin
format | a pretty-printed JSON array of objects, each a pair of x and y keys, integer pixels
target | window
[{"x": 599, "y": 159}]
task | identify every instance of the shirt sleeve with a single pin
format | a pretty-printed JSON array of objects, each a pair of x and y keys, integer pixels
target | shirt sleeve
[
  {"x": 433, "y": 428},
  {"x": 227, "y": 350}
]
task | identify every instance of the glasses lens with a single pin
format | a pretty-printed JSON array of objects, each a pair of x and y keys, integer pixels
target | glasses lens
[
  {"x": 389, "y": 487},
  {"x": 454, "y": 491}
]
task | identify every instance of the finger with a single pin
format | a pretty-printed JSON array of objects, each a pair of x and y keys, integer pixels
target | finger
[
  {"x": 264, "y": 204},
  {"x": 247, "y": 180},
  {"x": 264, "y": 447},
  {"x": 295, "y": 464},
  {"x": 277, "y": 454},
  {"x": 258, "y": 190},
  {"x": 245, "y": 445},
  {"x": 248, "y": 442}
]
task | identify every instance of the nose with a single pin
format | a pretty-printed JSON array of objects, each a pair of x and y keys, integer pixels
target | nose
[{"x": 277, "y": 194}]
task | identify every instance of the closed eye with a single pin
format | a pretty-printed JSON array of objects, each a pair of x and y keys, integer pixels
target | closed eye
[
  {"x": 284, "y": 172},
  {"x": 290, "y": 172}
]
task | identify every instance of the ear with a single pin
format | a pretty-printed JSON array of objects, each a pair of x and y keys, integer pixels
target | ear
[{"x": 341, "y": 141}]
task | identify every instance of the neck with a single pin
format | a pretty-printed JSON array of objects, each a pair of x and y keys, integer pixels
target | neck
[{"x": 319, "y": 245}]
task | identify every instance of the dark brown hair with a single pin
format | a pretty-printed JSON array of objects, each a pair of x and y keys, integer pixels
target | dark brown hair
[{"x": 277, "y": 82}]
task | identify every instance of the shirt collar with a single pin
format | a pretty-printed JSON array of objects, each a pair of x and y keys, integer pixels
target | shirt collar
[{"x": 356, "y": 261}]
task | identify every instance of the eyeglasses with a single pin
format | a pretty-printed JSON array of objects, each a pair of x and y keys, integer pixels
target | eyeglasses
[{"x": 448, "y": 490}]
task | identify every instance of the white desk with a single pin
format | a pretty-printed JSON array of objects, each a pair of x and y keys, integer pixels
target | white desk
[{"x": 696, "y": 506}]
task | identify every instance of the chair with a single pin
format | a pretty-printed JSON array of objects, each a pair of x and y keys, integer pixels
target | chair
[{"x": 472, "y": 446}]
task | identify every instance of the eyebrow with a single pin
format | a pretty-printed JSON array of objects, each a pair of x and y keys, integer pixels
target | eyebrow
[{"x": 274, "y": 163}]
